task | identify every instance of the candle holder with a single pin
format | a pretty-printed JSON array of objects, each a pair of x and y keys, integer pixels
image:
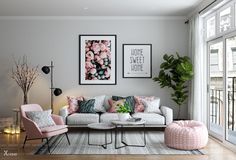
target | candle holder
[
  {"x": 13, "y": 129},
  {"x": 7, "y": 130},
  {"x": 17, "y": 129}
]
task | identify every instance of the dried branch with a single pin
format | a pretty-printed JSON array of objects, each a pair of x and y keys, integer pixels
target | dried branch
[{"x": 24, "y": 75}]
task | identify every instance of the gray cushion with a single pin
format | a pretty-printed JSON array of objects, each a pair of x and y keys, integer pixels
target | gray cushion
[
  {"x": 108, "y": 117},
  {"x": 82, "y": 118},
  {"x": 41, "y": 118},
  {"x": 150, "y": 118}
]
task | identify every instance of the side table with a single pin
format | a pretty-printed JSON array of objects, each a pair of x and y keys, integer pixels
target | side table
[
  {"x": 17, "y": 111},
  {"x": 102, "y": 127},
  {"x": 120, "y": 125}
]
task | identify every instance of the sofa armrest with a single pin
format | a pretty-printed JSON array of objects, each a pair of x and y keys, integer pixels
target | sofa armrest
[
  {"x": 58, "y": 119},
  {"x": 168, "y": 113},
  {"x": 63, "y": 112}
]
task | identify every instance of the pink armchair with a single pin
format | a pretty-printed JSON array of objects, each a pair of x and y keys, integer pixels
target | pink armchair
[{"x": 34, "y": 132}]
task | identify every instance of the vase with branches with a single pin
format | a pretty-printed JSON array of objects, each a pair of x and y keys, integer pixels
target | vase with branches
[
  {"x": 174, "y": 73},
  {"x": 25, "y": 76}
]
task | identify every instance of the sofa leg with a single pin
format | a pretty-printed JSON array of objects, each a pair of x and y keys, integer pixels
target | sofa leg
[
  {"x": 24, "y": 142},
  {"x": 48, "y": 145},
  {"x": 67, "y": 138}
]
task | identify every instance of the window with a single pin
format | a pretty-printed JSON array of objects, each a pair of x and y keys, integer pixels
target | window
[
  {"x": 225, "y": 19},
  {"x": 234, "y": 57},
  {"x": 220, "y": 21},
  {"x": 214, "y": 63},
  {"x": 211, "y": 27}
]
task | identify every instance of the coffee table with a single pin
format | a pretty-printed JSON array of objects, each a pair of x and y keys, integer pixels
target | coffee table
[
  {"x": 119, "y": 125},
  {"x": 102, "y": 127}
]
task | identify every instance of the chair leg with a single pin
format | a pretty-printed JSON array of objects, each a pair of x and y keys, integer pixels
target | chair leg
[
  {"x": 24, "y": 142},
  {"x": 42, "y": 139},
  {"x": 48, "y": 145},
  {"x": 67, "y": 138}
]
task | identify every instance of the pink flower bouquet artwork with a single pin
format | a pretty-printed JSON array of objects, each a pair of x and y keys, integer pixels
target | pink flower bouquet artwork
[{"x": 98, "y": 60}]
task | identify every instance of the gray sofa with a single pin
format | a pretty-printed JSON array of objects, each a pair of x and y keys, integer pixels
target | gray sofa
[{"x": 83, "y": 119}]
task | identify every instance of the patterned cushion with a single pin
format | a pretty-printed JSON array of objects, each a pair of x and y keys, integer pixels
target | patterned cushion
[
  {"x": 41, "y": 118},
  {"x": 73, "y": 103},
  {"x": 139, "y": 106},
  {"x": 130, "y": 100},
  {"x": 99, "y": 103},
  {"x": 115, "y": 105},
  {"x": 87, "y": 106}
]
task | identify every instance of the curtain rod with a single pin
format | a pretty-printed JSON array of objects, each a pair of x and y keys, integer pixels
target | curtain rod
[
  {"x": 187, "y": 21},
  {"x": 206, "y": 7}
]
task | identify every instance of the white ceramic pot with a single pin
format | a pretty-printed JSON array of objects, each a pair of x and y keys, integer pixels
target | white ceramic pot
[{"x": 123, "y": 116}]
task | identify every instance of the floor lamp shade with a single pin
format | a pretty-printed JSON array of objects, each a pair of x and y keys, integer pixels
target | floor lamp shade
[
  {"x": 57, "y": 91},
  {"x": 45, "y": 69}
]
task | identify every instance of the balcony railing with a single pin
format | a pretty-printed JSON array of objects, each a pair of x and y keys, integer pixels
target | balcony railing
[{"x": 216, "y": 105}]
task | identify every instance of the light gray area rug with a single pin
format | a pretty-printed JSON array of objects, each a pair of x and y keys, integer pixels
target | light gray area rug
[{"x": 79, "y": 144}]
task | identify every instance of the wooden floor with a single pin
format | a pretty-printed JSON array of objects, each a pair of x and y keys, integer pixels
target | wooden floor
[{"x": 13, "y": 145}]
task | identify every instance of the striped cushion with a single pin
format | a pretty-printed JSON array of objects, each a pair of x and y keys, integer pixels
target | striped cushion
[{"x": 187, "y": 135}]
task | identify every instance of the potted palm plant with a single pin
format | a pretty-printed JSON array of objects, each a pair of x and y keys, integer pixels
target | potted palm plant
[
  {"x": 175, "y": 73},
  {"x": 124, "y": 112}
]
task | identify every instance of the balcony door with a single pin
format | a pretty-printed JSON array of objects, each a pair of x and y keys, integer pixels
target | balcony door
[
  {"x": 230, "y": 43},
  {"x": 222, "y": 88},
  {"x": 216, "y": 87}
]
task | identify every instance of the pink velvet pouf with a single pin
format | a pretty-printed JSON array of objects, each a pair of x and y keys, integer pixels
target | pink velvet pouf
[{"x": 186, "y": 135}]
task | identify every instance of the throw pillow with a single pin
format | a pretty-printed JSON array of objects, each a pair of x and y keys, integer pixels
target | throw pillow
[
  {"x": 106, "y": 103},
  {"x": 41, "y": 118},
  {"x": 114, "y": 105},
  {"x": 139, "y": 106},
  {"x": 152, "y": 106},
  {"x": 99, "y": 103},
  {"x": 73, "y": 105},
  {"x": 87, "y": 106},
  {"x": 130, "y": 100}
]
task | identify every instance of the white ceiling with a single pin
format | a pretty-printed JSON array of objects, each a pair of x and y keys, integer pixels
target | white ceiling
[{"x": 97, "y": 7}]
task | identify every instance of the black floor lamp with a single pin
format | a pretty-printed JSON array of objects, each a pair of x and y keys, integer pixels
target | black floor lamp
[{"x": 54, "y": 91}]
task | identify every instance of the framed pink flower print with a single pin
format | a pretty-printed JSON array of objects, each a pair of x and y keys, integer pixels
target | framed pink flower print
[{"x": 97, "y": 59}]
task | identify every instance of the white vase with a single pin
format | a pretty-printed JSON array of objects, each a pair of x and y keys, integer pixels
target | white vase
[{"x": 123, "y": 116}]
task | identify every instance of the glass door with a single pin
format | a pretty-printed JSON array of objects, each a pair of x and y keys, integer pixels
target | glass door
[
  {"x": 216, "y": 87},
  {"x": 231, "y": 89}
]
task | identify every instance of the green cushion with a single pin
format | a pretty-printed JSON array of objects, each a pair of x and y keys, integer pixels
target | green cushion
[
  {"x": 130, "y": 100},
  {"x": 87, "y": 106}
]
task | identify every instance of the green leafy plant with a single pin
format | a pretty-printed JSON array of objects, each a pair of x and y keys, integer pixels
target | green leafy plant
[
  {"x": 124, "y": 108},
  {"x": 174, "y": 73}
]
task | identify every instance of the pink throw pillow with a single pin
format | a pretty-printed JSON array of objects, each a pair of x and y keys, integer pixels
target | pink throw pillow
[
  {"x": 73, "y": 103},
  {"x": 139, "y": 106},
  {"x": 114, "y": 105}
]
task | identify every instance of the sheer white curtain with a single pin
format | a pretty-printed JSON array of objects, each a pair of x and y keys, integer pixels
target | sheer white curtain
[{"x": 197, "y": 106}]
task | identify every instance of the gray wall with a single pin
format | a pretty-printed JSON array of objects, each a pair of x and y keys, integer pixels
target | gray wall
[{"x": 43, "y": 40}]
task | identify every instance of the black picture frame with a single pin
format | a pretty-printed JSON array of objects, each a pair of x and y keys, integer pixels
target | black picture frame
[
  {"x": 126, "y": 72},
  {"x": 112, "y": 61}
]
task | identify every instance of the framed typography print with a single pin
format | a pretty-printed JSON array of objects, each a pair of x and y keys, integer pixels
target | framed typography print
[
  {"x": 97, "y": 59},
  {"x": 137, "y": 60}
]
